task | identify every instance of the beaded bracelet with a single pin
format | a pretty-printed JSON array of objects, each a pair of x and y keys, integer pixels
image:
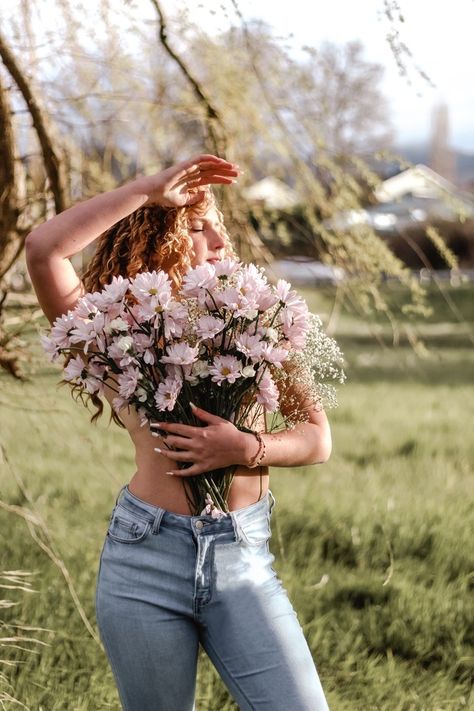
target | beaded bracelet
[{"x": 257, "y": 459}]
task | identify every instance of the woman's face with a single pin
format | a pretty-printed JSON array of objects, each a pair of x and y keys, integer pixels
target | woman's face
[{"x": 208, "y": 239}]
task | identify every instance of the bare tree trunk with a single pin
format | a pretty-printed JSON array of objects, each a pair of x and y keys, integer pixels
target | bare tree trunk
[
  {"x": 52, "y": 162},
  {"x": 9, "y": 207},
  {"x": 12, "y": 236},
  {"x": 10, "y": 242}
]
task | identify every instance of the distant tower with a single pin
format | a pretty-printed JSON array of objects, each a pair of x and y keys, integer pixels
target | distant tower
[{"x": 442, "y": 158}]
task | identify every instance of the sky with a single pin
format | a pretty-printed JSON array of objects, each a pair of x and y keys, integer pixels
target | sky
[{"x": 439, "y": 35}]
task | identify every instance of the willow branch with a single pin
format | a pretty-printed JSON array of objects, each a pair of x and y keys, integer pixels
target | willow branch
[{"x": 214, "y": 121}]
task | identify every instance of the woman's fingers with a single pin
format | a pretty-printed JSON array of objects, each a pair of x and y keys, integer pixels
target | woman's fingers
[
  {"x": 202, "y": 177},
  {"x": 207, "y": 159},
  {"x": 207, "y": 416},
  {"x": 193, "y": 167},
  {"x": 182, "y": 443},
  {"x": 175, "y": 455},
  {"x": 176, "y": 428},
  {"x": 172, "y": 187},
  {"x": 194, "y": 470}
]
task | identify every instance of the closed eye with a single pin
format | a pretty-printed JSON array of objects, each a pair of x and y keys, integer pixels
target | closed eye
[{"x": 196, "y": 226}]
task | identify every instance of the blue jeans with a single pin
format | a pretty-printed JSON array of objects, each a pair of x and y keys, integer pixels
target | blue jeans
[{"x": 169, "y": 582}]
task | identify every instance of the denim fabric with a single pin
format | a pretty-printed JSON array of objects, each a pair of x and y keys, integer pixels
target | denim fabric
[{"x": 169, "y": 582}]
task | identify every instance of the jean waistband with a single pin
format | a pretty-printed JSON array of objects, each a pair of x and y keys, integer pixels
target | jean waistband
[{"x": 234, "y": 521}]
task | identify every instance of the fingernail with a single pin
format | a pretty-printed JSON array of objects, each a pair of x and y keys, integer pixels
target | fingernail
[
  {"x": 155, "y": 434},
  {"x": 155, "y": 424},
  {"x": 157, "y": 449},
  {"x": 192, "y": 405},
  {"x": 169, "y": 473}
]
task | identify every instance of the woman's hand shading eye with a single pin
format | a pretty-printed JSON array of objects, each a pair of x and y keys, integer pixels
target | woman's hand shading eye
[{"x": 185, "y": 183}]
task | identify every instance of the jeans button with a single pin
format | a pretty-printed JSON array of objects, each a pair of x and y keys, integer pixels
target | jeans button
[{"x": 199, "y": 524}]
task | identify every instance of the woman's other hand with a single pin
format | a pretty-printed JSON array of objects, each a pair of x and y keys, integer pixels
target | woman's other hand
[
  {"x": 216, "y": 445},
  {"x": 179, "y": 185}
]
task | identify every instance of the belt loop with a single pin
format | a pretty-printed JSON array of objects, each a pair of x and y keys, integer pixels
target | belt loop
[
  {"x": 119, "y": 494},
  {"x": 156, "y": 523},
  {"x": 236, "y": 525},
  {"x": 272, "y": 501}
]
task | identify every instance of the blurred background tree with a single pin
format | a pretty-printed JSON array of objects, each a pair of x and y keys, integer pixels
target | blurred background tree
[{"x": 92, "y": 95}]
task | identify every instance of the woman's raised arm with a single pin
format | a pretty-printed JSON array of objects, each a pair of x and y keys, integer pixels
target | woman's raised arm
[{"x": 50, "y": 246}]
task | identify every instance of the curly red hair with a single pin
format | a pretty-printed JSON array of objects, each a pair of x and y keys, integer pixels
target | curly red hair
[{"x": 150, "y": 238}]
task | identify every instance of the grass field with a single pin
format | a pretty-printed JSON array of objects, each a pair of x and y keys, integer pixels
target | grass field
[{"x": 375, "y": 547}]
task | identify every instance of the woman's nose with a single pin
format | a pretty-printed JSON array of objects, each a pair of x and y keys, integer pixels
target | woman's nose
[{"x": 216, "y": 239}]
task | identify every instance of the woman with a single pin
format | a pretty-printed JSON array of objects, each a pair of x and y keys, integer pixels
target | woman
[{"x": 167, "y": 580}]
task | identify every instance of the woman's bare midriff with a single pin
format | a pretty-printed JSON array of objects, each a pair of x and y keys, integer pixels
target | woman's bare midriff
[
  {"x": 151, "y": 483},
  {"x": 159, "y": 489}
]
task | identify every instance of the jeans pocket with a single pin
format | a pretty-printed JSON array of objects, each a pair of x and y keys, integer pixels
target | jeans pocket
[
  {"x": 255, "y": 532},
  {"x": 127, "y": 527}
]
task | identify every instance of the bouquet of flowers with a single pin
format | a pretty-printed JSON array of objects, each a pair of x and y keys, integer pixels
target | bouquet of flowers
[{"x": 227, "y": 340}]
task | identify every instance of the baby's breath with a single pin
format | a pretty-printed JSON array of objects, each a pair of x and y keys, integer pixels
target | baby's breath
[{"x": 310, "y": 375}]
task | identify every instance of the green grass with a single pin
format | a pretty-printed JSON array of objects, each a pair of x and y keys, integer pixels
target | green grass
[{"x": 375, "y": 547}]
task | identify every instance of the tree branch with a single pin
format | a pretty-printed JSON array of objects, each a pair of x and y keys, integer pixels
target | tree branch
[
  {"x": 215, "y": 124},
  {"x": 51, "y": 159},
  {"x": 9, "y": 204}
]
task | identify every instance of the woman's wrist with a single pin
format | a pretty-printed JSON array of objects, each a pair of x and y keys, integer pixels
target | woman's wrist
[
  {"x": 146, "y": 187},
  {"x": 253, "y": 449}
]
